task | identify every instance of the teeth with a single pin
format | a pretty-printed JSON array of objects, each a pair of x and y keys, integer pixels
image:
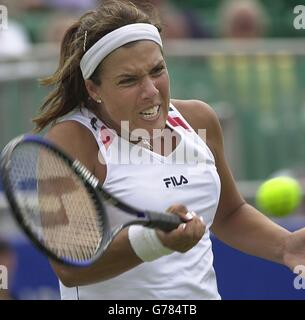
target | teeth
[{"x": 150, "y": 112}]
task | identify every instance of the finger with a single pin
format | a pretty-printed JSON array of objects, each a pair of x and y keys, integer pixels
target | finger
[
  {"x": 194, "y": 229},
  {"x": 182, "y": 227},
  {"x": 189, "y": 216},
  {"x": 197, "y": 218},
  {"x": 181, "y": 211},
  {"x": 200, "y": 227},
  {"x": 177, "y": 207}
]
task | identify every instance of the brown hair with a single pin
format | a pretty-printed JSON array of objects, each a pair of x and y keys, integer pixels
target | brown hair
[{"x": 69, "y": 87}]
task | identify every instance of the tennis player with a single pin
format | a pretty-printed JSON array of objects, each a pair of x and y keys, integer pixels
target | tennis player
[{"x": 111, "y": 85}]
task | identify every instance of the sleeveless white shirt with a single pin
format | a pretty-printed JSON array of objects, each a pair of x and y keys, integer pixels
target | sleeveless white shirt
[{"x": 148, "y": 180}]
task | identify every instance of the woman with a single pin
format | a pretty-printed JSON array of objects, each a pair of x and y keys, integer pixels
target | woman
[{"x": 112, "y": 72}]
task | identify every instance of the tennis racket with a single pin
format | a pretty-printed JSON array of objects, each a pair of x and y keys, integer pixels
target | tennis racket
[{"x": 62, "y": 207}]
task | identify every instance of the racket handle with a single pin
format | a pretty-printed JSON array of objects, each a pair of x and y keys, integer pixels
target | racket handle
[{"x": 164, "y": 222}]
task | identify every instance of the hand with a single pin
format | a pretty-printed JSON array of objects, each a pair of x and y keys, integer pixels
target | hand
[
  {"x": 187, "y": 235},
  {"x": 294, "y": 252}
]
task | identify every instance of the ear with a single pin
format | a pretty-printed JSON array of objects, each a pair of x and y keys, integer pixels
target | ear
[{"x": 93, "y": 90}]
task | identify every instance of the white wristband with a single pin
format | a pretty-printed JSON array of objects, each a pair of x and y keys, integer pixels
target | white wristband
[{"x": 146, "y": 244}]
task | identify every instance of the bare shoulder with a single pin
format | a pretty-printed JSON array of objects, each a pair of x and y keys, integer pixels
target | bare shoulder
[
  {"x": 196, "y": 112},
  {"x": 201, "y": 116},
  {"x": 76, "y": 140}
]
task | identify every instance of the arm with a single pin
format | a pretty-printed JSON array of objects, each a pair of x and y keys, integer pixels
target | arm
[
  {"x": 236, "y": 223},
  {"x": 118, "y": 258},
  {"x": 79, "y": 143}
]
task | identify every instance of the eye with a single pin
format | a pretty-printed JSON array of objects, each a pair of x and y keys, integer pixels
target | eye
[
  {"x": 127, "y": 81},
  {"x": 158, "y": 70}
]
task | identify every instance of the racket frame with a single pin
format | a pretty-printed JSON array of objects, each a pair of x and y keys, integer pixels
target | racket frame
[{"x": 147, "y": 218}]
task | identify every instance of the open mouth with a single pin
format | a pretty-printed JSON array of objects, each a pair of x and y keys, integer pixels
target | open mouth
[{"x": 150, "y": 113}]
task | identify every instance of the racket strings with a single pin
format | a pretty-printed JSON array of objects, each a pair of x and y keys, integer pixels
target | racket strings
[{"x": 54, "y": 204}]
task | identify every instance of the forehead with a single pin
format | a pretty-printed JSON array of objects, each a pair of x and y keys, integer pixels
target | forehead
[{"x": 132, "y": 57}]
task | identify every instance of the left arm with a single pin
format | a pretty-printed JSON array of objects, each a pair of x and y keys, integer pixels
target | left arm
[{"x": 237, "y": 223}]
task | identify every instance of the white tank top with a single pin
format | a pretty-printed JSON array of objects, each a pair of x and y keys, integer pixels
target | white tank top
[{"x": 156, "y": 186}]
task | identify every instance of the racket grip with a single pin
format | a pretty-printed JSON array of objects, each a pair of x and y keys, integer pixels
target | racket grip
[{"x": 164, "y": 222}]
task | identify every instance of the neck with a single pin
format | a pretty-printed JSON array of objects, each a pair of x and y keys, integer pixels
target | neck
[{"x": 145, "y": 142}]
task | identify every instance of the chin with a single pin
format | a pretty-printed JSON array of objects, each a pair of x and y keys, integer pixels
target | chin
[{"x": 160, "y": 126}]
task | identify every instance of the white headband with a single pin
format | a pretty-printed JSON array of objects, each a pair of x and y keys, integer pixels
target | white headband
[{"x": 115, "y": 39}]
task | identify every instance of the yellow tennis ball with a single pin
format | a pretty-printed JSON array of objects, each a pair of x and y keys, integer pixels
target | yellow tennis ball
[{"x": 279, "y": 196}]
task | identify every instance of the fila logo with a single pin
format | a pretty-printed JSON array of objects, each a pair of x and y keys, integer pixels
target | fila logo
[{"x": 175, "y": 181}]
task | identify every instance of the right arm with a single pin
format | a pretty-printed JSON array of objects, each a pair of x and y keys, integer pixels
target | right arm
[{"x": 78, "y": 142}]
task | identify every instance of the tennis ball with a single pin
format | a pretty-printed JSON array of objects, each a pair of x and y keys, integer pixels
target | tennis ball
[{"x": 279, "y": 196}]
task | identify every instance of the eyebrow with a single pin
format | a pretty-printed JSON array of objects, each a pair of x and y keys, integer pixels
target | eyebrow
[{"x": 127, "y": 75}]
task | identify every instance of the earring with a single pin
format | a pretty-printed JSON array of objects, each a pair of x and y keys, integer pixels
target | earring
[{"x": 99, "y": 100}]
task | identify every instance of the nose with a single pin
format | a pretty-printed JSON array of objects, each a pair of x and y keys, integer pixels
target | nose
[{"x": 149, "y": 89}]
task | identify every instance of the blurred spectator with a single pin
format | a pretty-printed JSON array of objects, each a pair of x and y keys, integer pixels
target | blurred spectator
[
  {"x": 7, "y": 259},
  {"x": 58, "y": 25},
  {"x": 242, "y": 19},
  {"x": 47, "y": 20},
  {"x": 177, "y": 23},
  {"x": 75, "y": 5},
  {"x": 65, "y": 13},
  {"x": 32, "y": 4}
]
